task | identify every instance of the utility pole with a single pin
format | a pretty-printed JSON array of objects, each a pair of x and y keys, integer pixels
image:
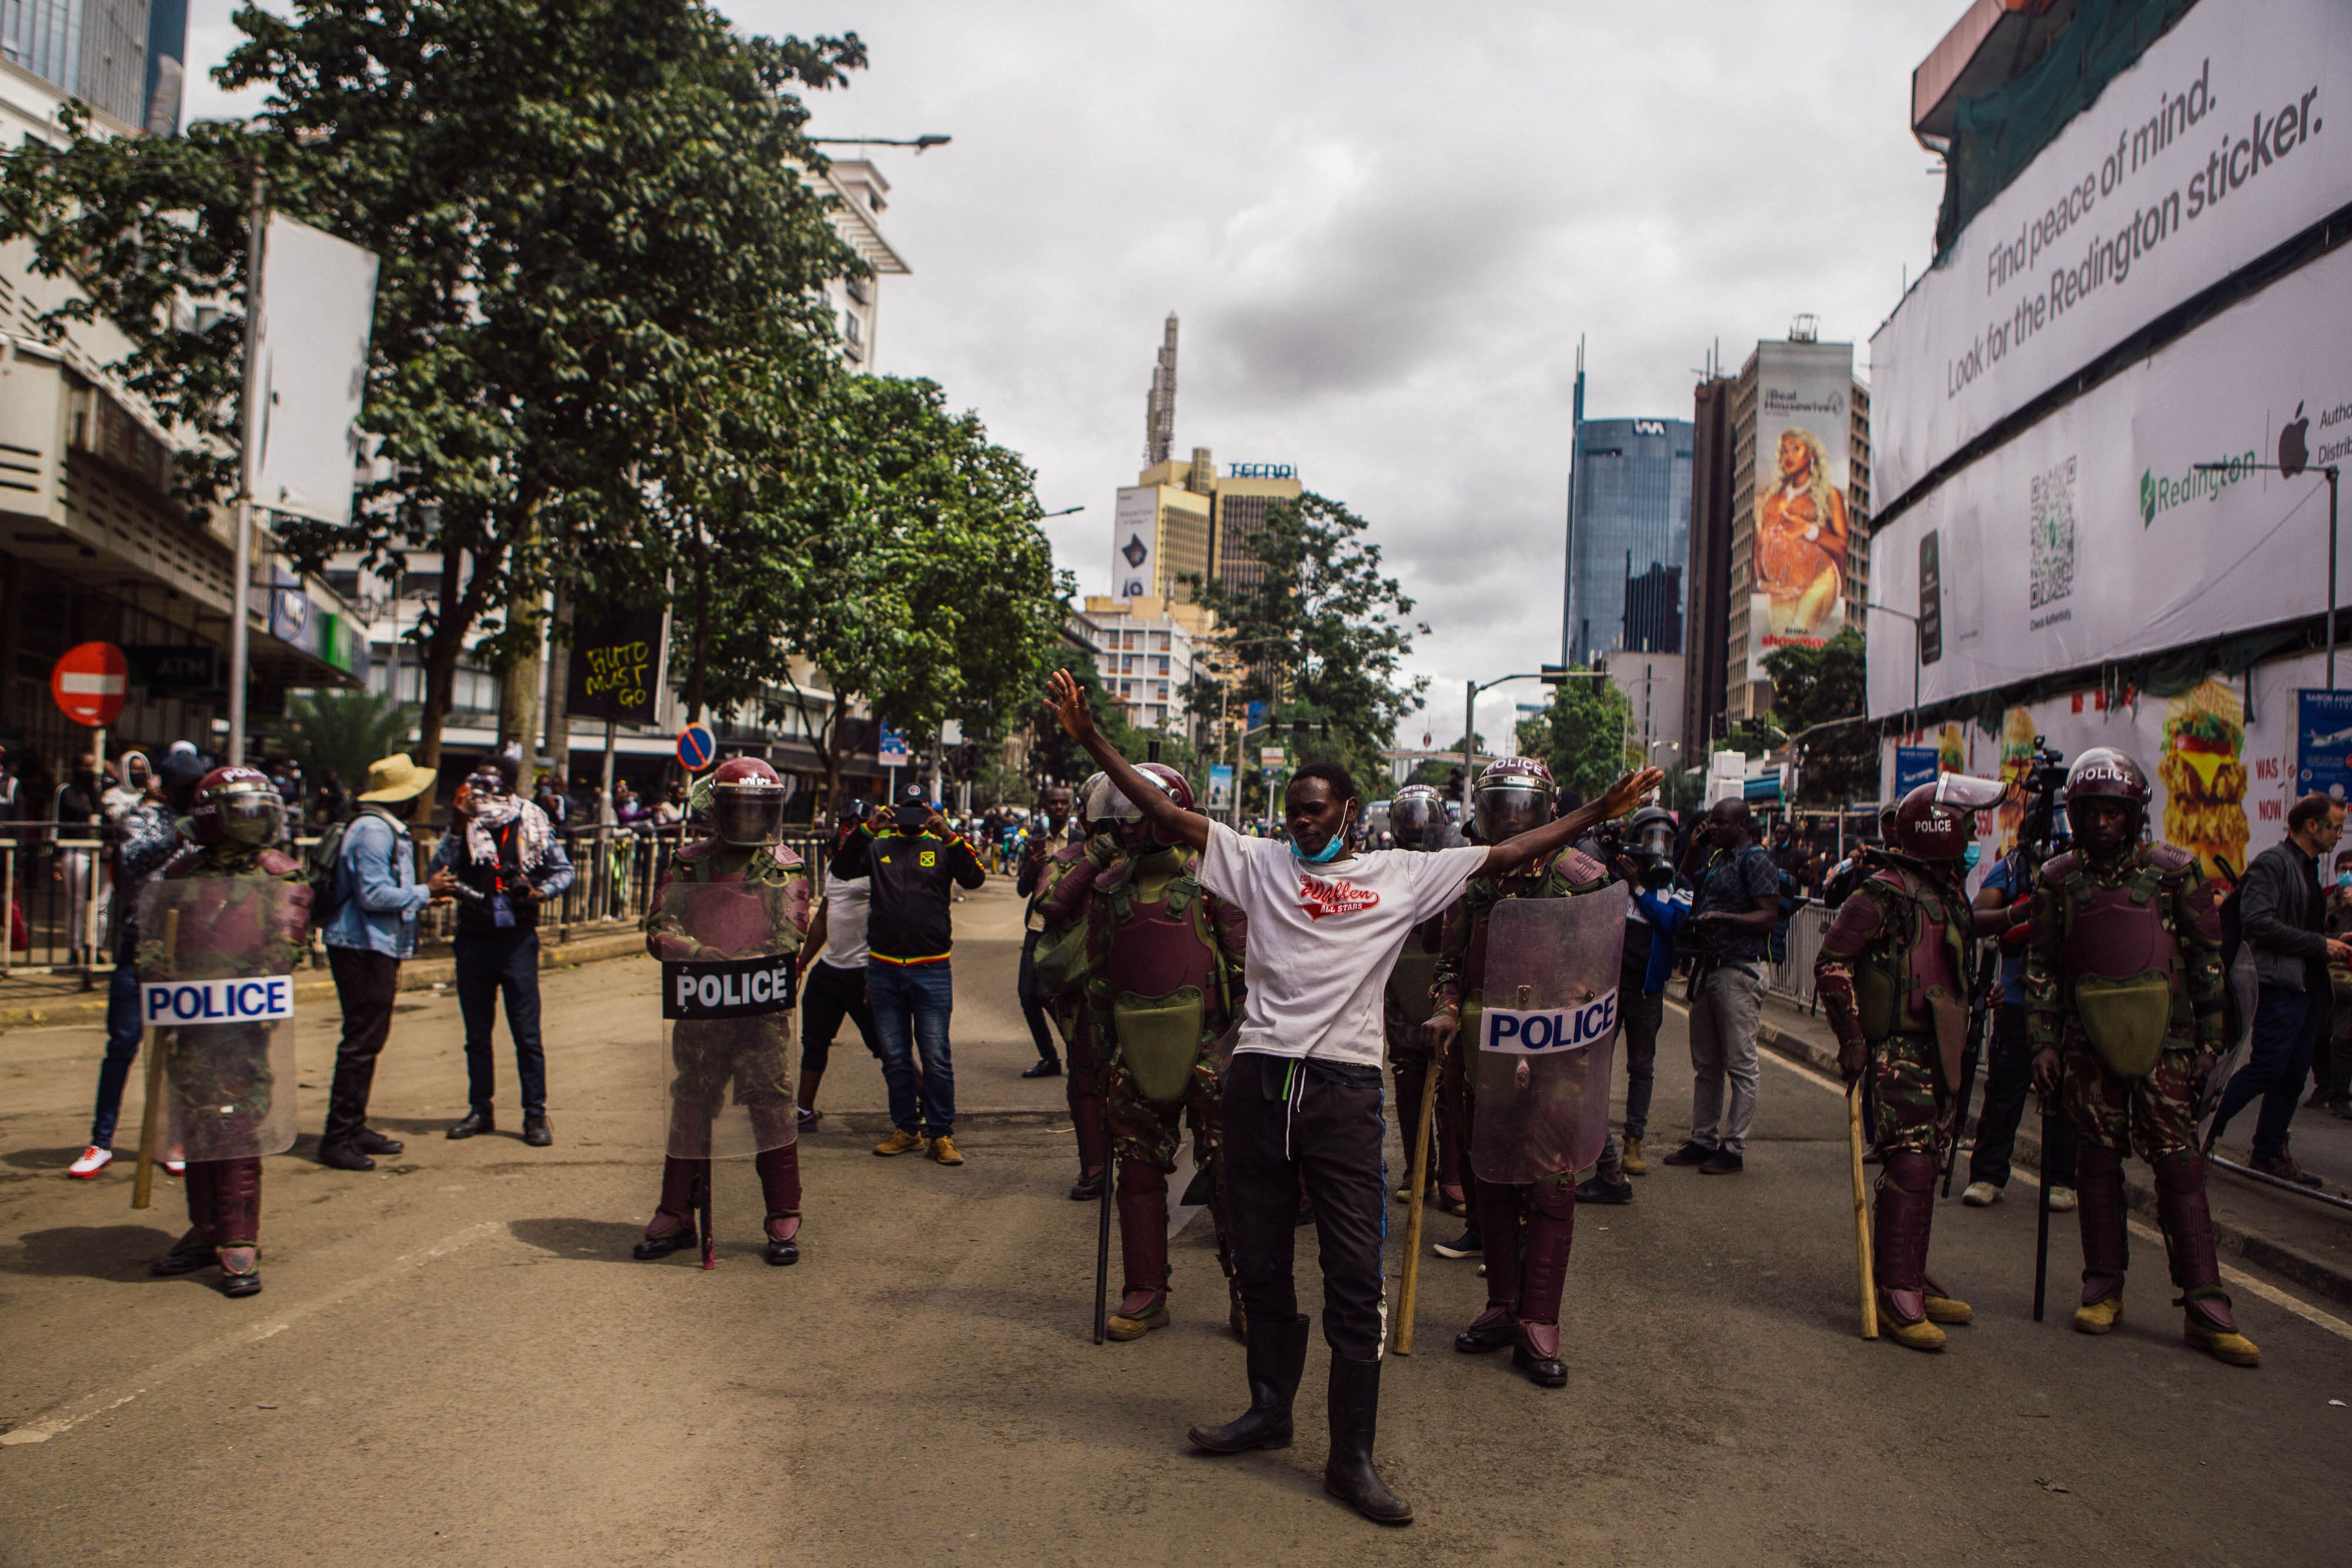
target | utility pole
[{"x": 240, "y": 640}]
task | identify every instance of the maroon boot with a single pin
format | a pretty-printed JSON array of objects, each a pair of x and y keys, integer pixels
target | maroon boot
[
  {"x": 1551, "y": 1230},
  {"x": 236, "y": 1224},
  {"x": 2099, "y": 1208},
  {"x": 2188, "y": 1224},
  {"x": 1906, "y": 1205},
  {"x": 671, "y": 1229},
  {"x": 196, "y": 1250},
  {"x": 1497, "y": 1205},
  {"x": 780, "y": 1185},
  {"x": 1142, "y": 1251}
]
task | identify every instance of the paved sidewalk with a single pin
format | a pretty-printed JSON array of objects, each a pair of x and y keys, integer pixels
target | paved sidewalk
[{"x": 2306, "y": 1242}]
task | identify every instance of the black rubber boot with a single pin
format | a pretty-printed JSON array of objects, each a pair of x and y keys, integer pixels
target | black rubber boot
[
  {"x": 1348, "y": 1474},
  {"x": 1276, "y": 1360}
]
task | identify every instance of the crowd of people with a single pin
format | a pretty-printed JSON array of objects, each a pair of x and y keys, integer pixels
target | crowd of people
[{"x": 1249, "y": 994}]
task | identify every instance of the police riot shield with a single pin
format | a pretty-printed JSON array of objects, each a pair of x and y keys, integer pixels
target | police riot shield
[
  {"x": 216, "y": 959},
  {"x": 728, "y": 991},
  {"x": 1547, "y": 1034}
]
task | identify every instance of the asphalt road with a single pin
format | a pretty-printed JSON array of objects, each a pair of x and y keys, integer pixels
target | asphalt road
[{"x": 455, "y": 1359}]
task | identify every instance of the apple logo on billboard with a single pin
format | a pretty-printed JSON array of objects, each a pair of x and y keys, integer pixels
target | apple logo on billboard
[{"x": 2293, "y": 454}]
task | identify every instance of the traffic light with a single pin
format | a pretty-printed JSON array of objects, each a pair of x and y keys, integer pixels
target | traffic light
[{"x": 1553, "y": 675}]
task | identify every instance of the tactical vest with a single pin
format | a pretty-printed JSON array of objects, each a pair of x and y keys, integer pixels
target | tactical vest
[
  {"x": 2121, "y": 958},
  {"x": 1163, "y": 964},
  {"x": 1893, "y": 978}
]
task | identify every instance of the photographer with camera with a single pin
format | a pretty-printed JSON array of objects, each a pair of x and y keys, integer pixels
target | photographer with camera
[
  {"x": 2004, "y": 906},
  {"x": 1641, "y": 855}
]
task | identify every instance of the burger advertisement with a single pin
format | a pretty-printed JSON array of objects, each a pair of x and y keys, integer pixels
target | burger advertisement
[{"x": 2204, "y": 772}]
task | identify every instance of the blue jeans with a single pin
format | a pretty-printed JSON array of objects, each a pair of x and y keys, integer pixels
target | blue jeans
[
  {"x": 2286, "y": 1025},
  {"x": 910, "y": 1014},
  {"x": 123, "y": 1031}
]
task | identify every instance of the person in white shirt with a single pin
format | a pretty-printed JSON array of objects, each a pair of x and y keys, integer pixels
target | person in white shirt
[
  {"x": 833, "y": 985},
  {"x": 1302, "y": 1094}
]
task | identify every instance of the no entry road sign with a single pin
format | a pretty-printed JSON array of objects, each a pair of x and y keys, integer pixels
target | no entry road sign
[{"x": 90, "y": 684}]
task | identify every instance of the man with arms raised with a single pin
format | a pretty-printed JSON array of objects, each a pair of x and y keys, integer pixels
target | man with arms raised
[{"x": 1302, "y": 1095}]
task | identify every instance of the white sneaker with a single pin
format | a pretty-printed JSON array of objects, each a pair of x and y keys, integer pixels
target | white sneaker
[
  {"x": 175, "y": 1167},
  {"x": 2061, "y": 1200},
  {"x": 1980, "y": 1195},
  {"x": 93, "y": 1160}
]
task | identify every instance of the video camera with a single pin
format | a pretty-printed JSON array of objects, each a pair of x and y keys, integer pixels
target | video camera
[{"x": 2044, "y": 832}]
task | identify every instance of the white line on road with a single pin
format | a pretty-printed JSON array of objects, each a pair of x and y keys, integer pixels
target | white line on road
[
  {"x": 100, "y": 1404},
  {"x": 2141, "y": 1229}
]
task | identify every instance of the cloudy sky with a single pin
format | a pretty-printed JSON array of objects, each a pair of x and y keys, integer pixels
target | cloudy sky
[{"x": 1385, "y": 227}]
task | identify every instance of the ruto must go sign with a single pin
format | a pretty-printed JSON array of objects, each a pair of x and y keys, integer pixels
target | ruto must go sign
[{"x": 2230, "y": 134}]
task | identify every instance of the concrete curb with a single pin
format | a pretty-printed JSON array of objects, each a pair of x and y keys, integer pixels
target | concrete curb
[
  {"x": 2313, "y": 1273},
  {"x": 416, "y": 974}
]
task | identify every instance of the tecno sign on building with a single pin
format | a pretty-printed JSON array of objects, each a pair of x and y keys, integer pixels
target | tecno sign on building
[
  {"x": 2094, "y": 536},
  {"x": 2232, "y": 134}
]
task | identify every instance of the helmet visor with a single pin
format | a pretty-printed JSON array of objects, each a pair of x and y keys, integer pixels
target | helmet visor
[
  {"x": 1416, "y": 821},
  {"x": 747, "y": 816},
  {"x": 1968, "y": 793},
  {"x": 1508, "y": 810},
  {"x": 252, "y": 815}
]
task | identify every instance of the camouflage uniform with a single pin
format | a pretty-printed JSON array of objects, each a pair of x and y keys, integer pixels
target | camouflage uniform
[
  {"x": 752, "y": 1055},
  {"x": 1527, "y": 1230},
  {"x": 1892, "y": 977},
  {"x": 1161, "y": 951},
  {"x": 1069, "y": 879},
  {"x": 2149, "y": 915}
]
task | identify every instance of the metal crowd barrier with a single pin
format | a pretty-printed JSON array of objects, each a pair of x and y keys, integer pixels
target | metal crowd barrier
[
  {"x": 1793, "y": 978},
  {"x": 54, "y": 924}
]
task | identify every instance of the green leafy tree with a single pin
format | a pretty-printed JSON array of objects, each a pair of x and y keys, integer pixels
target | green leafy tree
[
  {"x": 1580, "y": 736},
  {"x": 346, "y": 731},
  {"x": 1812, "y": 687},
  {"x": 1323, "y": 635},
  {"x": 598, "y": 264},
  {"x": 898, "y": 552}
]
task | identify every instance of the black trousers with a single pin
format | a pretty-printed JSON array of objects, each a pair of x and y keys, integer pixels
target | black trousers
[
  {"x": 366, "y": 982},
  {"x": 1321, "y": 1122},
  {"x": 829, "y": 995},
  {"x": 2008, "y": 1085},
  {"x": 489, "y": 966},
  {"x": 1035, "y": 1001}
]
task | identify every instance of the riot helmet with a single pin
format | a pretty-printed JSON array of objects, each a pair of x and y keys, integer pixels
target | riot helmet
[
  {"x": 2104, "y": 772},
  {"x": 1936, "y": 820},
  {"x": 235, "y": 805},
  {"x": 1417, "y": 818},
  {"x": 1514, "y": 796},
  {"x": 1119, "y": 809},
  {"x": 746, "y": 801}
]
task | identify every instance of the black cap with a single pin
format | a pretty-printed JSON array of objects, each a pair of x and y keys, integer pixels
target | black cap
[{"x": 914, "y": 808}]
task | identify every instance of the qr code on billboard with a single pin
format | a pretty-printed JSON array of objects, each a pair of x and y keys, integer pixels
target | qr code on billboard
[{"x": 2053, "y": 535}]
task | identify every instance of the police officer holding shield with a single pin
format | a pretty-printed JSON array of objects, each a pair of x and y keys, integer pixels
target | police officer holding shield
[
  {"x": 727, "y": 924},
  {"x": 233, "y": 909},
  {"x": 1525, "y": 1189}
]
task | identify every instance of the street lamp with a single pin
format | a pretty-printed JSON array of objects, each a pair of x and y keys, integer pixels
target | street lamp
[
  {"x": 1917, "y": 649},
  {"x": 920, "y": 143},
  {"x": 2331, "y": 473},
  {"x": 1551, "y": 675}
]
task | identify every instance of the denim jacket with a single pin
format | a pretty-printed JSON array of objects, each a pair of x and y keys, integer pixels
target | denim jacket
[{"x": 376, "y": 888}]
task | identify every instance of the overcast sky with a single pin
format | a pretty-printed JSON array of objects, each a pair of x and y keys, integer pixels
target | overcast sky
[{"x": 1385, "y": 227}]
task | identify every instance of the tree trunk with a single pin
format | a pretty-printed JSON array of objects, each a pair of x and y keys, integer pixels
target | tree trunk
[
  {"x": 559, "y": 691},
  {"x": 700, "y": 656}
]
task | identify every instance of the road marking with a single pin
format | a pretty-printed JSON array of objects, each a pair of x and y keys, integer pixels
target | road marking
[
  {"x": 2139, "y": 1228},
  {"x": 100, "y": 1404}
]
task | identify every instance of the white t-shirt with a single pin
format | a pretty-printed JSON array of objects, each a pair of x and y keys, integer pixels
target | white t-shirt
[
  {"x": 846, "y": 900},
  {"x": 1322, "y": 939}
]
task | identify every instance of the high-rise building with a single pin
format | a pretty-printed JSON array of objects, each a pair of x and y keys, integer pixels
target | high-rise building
[
  {"x": 167, "y": 57},
  {"x": 1781, "y": 546},
  {"x": 95, "y": 49},
  {"x": 862, "y": 195},
  {"x": 1629, "y": 492},
  {"x": 1182, "y": 518}
]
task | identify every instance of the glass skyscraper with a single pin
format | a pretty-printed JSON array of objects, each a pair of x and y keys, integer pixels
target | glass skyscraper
[{"x": 1628, "y": 535}]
